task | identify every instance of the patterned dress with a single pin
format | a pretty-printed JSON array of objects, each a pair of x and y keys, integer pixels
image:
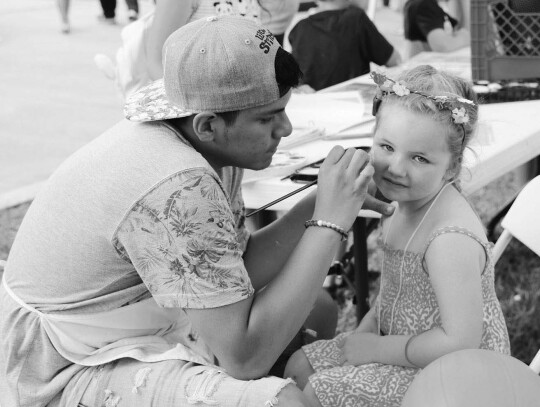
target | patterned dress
[{"x": 416, "y": 311}]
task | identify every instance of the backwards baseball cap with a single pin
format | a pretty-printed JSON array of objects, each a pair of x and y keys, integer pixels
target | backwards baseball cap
[{"x": 217, "y": 64}]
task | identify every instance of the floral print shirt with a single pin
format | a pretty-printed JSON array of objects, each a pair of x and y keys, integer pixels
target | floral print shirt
[{"x": 186, "y": 239}]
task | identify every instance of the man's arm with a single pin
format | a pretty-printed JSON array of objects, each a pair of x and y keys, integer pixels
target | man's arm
[
  {"x": 281, "y": 237},
  {"x": 248, "y": 336}
]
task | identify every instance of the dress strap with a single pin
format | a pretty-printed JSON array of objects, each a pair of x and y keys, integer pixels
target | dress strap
[{"x": 464, "y": 231}]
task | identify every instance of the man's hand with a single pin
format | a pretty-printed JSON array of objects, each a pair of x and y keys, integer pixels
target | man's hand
[{"x": 359, "y": 348}]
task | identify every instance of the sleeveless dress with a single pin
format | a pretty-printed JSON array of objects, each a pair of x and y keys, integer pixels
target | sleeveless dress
[{"x": 416, "y": 311}]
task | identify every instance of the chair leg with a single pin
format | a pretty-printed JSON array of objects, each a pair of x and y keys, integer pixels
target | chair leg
[
  {"x": 496, "y": 219},
  {"x": 501, "y": 244}
]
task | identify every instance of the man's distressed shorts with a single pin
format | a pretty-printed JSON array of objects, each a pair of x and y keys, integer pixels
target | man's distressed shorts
[{"x": 128, "y": 382}]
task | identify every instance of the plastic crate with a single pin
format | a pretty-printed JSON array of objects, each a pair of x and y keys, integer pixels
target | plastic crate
[{"x": 505, "y": 39}]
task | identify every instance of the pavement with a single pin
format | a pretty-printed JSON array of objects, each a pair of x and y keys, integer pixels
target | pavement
[{"x": 53, "y": 99}]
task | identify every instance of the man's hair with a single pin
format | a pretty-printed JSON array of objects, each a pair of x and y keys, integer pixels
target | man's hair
[{"x": 288, "y": 75}]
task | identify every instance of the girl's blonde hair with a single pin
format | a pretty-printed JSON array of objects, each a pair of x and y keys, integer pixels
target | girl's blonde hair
[{"x": 429, "y": 80}]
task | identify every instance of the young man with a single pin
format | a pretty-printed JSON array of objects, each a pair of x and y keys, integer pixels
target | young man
[
  {"x": 133, "y": 280},
  {"x": 337, "y": 42}
]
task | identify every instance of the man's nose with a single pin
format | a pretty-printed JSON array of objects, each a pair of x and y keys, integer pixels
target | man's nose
[{"x": 283, "y": 127}]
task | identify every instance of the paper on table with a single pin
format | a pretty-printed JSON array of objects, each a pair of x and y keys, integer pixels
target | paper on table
[
  {"x": 334, "y": 111},
  {"x": 301, "y": 136},
  {"x": 283, "y": 163}
]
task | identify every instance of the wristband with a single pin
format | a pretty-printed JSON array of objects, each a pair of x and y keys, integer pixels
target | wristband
[{"x": 329, "y": 225}]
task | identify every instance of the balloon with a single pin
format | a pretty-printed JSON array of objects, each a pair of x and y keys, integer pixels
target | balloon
[{"x": 474, "y": 378}]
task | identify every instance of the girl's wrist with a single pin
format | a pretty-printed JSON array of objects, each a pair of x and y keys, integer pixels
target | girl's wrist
[{"x": 378, "y": 349}]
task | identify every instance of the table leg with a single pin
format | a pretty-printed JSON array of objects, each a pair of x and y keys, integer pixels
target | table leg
[{"x": 361, "y": 280}]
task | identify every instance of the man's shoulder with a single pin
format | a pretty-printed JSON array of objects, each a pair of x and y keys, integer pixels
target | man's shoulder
[{"x": 134, "y": 157}]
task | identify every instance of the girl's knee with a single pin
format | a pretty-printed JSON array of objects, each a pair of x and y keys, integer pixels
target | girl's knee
[
  {"x": 298, "y": 368},
  {"x": 311, "y": 396},
  {"x": 323, "y": 318},
  {"x": 291, "y": 396}
]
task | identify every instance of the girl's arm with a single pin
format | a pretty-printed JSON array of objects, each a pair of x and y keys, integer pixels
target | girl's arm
[
  {"x": 455, "y": 264},
  {"x": 169, "y": 15}
]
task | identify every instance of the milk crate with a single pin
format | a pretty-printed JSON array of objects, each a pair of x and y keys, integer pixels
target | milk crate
[{"x": 505, "y": 39}]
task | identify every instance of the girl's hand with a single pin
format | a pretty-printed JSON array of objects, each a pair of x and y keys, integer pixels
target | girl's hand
[
  {"x": 359, "y": 348},
  {"x": 343, "y": 181}
]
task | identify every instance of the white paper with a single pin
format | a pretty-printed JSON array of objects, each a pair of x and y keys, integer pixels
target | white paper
[{"x": 333, "y": 112}]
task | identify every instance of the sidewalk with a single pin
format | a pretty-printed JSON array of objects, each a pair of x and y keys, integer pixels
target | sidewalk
[{"x": 54, "y": 99}]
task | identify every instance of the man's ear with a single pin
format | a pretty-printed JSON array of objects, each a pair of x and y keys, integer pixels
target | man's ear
[{"x": 207, "y": 125}]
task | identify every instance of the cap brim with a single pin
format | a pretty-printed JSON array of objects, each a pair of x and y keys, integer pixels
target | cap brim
[{"x": 151, "y": 103}]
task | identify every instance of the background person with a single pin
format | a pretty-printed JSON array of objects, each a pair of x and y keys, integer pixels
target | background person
[
  {"x": 139, "y": 60},
  {"x": 337, "y": 42}
]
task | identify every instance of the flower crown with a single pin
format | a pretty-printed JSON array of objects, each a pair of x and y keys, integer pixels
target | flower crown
[{"x": 456, "y": 105}]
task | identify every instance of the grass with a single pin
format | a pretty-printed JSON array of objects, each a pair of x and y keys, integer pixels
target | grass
[{"x": 517, "y": 276}]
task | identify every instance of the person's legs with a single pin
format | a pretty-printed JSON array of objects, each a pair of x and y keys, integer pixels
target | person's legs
[
  {"x": 109, "y": 7},
  {"x": 324, "y": 316},
  {"x": 320, "y": 324},
  {"x": 311, "y": 396},
  {"x": 299, "y": 369},
  {"x": 178, "y": 383},
  {"x": 63, "y": 7}
]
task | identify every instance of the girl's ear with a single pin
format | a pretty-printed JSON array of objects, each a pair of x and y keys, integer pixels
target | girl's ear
[{"x": 207, "y": 125}]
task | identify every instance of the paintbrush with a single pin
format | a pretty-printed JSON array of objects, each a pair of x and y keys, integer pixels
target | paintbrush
[{"x": 268, "y": 205}]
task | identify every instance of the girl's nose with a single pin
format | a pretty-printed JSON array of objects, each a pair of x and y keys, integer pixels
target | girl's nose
[
  {"x": 283, "y": 126},
  {"x": 397, "y": 166}
]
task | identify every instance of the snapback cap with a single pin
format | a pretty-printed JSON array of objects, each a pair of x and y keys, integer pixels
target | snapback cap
[{"x": 217, "y": 64}]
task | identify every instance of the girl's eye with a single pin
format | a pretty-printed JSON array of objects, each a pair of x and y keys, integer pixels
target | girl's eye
[
  {"x": 386, "y": 147},
  {"x": 420, "y": 159}
]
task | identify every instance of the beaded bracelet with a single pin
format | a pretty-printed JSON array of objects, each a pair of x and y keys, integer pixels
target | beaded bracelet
[
  {"x": 407, "y": 350},
  {"x": 325, "y": 224}
]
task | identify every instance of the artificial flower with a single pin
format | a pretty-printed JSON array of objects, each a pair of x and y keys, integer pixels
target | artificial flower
[
  {"x": 460, "y": 115},
  {"x": 400, "y": 89}
]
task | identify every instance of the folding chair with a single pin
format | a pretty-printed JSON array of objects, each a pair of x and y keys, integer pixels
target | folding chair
[{"x": 522, "y": 221}]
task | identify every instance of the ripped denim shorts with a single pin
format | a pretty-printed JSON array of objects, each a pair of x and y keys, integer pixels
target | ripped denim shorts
[{"x": 128, "y": 382}]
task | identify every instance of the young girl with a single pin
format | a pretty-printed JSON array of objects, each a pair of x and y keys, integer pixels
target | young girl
[{"x": 437, "y": 286}]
